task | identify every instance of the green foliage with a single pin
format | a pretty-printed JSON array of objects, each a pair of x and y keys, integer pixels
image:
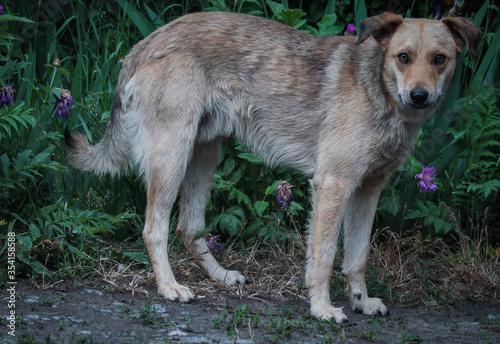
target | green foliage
[
  {"x": 12, "y": 117},
  {"x": 41, "y": 199},
  {"x": 60, "y": 229}
]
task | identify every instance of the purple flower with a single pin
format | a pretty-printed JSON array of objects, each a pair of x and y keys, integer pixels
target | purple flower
[
  {"x": 1, "y": 9},
  {"x": 284, "y": 194},
  {"x": 7, "y": 95},
  {"x": 64, "y": 103},
  {"x": 426, "y": 183},
  {"x": 351, "y": 29},
  {"x": 213, "y": 243}
]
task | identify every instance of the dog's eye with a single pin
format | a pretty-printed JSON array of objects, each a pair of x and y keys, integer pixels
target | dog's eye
[
  {"x": 439, "y": 59},
  {"x": 404, "y": 58}
]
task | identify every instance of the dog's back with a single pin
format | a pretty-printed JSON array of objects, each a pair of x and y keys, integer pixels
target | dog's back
[{"x": 264, "y": 82}]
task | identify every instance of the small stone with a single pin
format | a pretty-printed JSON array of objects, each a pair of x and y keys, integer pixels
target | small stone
[
  {"x": 121, "y": 268},
  {"x": 32, "y": 316},
  {"x": 177, "y": 334},
  {"x": 31, "y": 299},
  {"x": 92, "y": 291},
  {"x": 157, "y": 308},
  {"x": 196, "y": 340}
]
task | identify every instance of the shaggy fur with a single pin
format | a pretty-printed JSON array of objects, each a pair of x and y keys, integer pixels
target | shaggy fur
[{"x": 345, "y": 112}]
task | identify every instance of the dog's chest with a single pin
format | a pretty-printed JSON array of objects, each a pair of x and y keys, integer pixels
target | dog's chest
[{"x": 391, "y": 148}]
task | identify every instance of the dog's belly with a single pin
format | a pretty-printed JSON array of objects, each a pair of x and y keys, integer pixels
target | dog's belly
[{"x": 277, "y": 139}]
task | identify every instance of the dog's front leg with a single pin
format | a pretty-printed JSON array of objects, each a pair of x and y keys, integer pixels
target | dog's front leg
[
  {"x": 329, "y": 196},
  {"x": 358, "y": 222}
]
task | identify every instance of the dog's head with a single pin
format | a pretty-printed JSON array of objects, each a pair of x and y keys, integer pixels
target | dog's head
[{"x": 420, "y": 54}]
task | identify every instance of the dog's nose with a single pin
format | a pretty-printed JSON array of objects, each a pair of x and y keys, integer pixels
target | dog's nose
[{"x": 419, "y": 97}]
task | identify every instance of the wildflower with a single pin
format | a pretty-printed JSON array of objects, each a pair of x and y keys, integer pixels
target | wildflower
[
  {"x": 64, "y": 103},
  {"x": 351, "y": 29},
  {"x": 426, "y": 183},
  {"x": 1, "y": 9},
  {"x": 7, "y": 95},
  {"x": 56, "y": 63},
  {"x": 284, "y": 194},
  {"x": 213, "y": 243}
]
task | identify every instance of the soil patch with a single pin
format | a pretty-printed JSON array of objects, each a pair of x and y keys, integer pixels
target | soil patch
[{"x": 92, "y": 312}]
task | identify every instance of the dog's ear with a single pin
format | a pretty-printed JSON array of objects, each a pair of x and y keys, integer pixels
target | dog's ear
[
  {"x": 381, "y": 27},
  {"x": 464, "y": 32}
]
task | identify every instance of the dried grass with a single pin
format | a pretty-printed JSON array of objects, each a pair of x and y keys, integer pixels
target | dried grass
[
  {"x": 433, "y": 272},
  {"x": 414, "y": 269}
]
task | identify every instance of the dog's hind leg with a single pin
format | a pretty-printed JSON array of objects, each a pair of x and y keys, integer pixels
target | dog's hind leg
[
  {"x": 358, "y": 222},
  {"x": 195, "y": 191},
  {"x": 165, "y": 155}
]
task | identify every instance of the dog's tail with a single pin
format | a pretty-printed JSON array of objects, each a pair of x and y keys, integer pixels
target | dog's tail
[{"x": 110, "y": 155}]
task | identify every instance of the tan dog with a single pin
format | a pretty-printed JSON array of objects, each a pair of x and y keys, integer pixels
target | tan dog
[{"x": 345, "y": 112}]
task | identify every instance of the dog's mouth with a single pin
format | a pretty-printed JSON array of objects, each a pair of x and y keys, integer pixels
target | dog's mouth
[{"x": 419, "y": 99}]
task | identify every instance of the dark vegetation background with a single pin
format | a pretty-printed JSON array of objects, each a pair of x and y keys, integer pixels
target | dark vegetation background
[{"x": 66, "y": 220}]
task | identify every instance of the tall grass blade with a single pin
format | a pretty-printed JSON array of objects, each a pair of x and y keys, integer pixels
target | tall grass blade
[
  {"x": 360, "y": 11},
  {"x": 330, "y": 7},
  {"x": 489, "y": 59},
  {"x": 144, "y": 26}
]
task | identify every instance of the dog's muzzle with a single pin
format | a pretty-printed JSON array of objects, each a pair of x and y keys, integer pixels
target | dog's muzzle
[{"x": 419, "y": 99}]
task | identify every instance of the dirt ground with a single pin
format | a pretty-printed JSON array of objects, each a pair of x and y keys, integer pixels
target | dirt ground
[{"x": 91, "y": 311}]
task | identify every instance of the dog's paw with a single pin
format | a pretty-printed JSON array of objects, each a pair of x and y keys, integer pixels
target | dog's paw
[
  {"x": 369, "y": 306},
  {"x": 229, "y": 277},
  {"x": 176, "y": 292},
  {"x": 329, "y": 312},
  {"x": 233, "y": 277}
]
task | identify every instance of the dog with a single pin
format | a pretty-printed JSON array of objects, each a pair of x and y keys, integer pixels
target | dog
[{"x": 345, "y": 111}]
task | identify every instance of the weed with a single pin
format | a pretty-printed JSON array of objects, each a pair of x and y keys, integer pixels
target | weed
[
  {"x": 237, "y": 319},
  {"x": 483, "y": 334},
  {"x": 408, "y": 339},
  {"x": 402, "y": 321},
  {"x": 125, "y": 309},
  {"x": 302, "y": 323},
  {"x": 325, "y": 329},
  {"x": 281, "y": 327},
  {"x": 47, "y": 301},
  {"x": 377, "y": 320},
  {"x": 370, "y": 336},
  {"x": 148, "y": 316},
  {"x": 255, "y": 319},
  {"x": 218, "y": 322},
  {"x": 285, "y": 312}
]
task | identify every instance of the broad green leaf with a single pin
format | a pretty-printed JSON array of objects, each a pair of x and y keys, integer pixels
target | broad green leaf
[
  {"x": 260, "y": 207},
  {"x": 250, "y": 157}
]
